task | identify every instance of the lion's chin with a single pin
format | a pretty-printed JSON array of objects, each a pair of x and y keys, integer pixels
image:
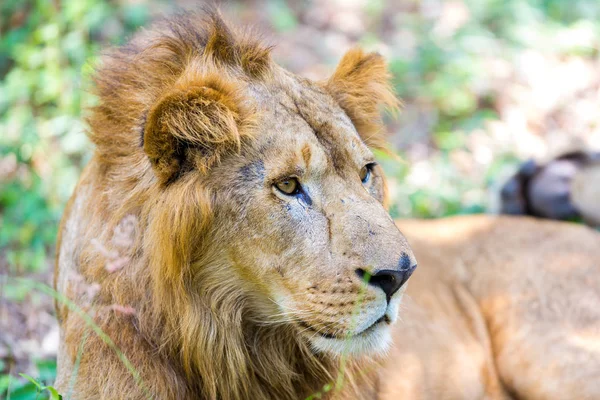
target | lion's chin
[{"x": 372, "y": 342}]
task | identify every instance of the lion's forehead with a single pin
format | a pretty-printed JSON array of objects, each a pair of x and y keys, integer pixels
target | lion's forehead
[{"x": 300, "y": 120}]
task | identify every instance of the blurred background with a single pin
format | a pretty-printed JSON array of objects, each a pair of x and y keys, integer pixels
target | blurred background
[{"x": 486, "y": 84}]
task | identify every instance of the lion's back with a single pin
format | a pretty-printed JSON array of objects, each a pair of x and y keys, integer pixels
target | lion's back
[{"x": 490, "y": 295}]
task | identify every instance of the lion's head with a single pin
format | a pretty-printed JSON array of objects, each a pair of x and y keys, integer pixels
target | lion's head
[{"x": 260, "y": 201}]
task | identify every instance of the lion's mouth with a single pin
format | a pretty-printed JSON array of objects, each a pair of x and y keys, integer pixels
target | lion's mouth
[{"x": 383, "y": 319}]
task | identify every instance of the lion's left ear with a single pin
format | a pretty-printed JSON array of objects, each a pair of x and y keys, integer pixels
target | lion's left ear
[
  {"x": 361, "y": 84},
  {"x": 195, "y": 123}
]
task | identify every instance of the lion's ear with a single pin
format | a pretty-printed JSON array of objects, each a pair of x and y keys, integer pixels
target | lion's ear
[
  {"x": 193, "y": 125},
  {"x": 361, "y": 84}
]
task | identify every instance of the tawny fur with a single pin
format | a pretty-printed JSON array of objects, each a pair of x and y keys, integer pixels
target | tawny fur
[
  {"x": 362, "y": 84},
  {"x": 173, "y": 104},
  {"x": 500, "y": 308},
  {"x": 199, "y": 271}
]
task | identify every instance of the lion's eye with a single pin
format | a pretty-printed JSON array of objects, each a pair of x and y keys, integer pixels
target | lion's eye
[
  {"x": 289, "y": 186},
  {"x": 365, "y": 172}
]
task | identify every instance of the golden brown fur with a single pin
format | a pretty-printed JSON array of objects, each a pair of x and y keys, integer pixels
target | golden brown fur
[
  {"x": 177, "y": 228},
  {"x": 216, "y": 285},
  {"x": 357, "y": 82}
]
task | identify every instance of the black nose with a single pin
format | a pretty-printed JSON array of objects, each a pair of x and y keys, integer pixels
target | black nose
[{"x": 389, "y": 280}]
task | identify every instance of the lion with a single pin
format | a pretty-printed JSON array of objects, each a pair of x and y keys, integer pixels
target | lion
[{"x": 229, "y": 240}]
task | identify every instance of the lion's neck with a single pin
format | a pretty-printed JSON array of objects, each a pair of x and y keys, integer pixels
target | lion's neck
[{"x": 250, "y": 361}]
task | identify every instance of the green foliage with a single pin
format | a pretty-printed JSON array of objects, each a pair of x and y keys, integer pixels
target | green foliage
[
  {"x": 29, "y": 388},
  {"x": 41, "y": 388},
  {"x": 444, "y": 74},
  {"x": 281, "y": 15},
  {"x": 45, "y": 51}
]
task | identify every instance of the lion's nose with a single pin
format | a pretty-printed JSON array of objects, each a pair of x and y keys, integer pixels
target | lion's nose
[{"x": 388, "y": 280}]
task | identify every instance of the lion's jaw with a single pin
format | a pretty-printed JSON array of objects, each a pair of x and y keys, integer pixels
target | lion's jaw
[{"x": 369, "y": 334}]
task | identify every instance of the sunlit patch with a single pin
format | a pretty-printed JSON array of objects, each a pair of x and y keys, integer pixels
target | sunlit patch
[{"x": 587, "y": 342}]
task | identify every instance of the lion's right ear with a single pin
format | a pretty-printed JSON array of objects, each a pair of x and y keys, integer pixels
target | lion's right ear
[
  {"x": 361, "y": 84},
  {"x": 193, "y": 125}
]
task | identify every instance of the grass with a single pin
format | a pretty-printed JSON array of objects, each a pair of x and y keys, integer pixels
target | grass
[{"x": 54, "y": 395}]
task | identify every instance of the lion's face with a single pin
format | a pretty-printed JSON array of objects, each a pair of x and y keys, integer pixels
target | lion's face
[
  {"x": 298, "y": 221},
  {"x": 307, "y": 225}
]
